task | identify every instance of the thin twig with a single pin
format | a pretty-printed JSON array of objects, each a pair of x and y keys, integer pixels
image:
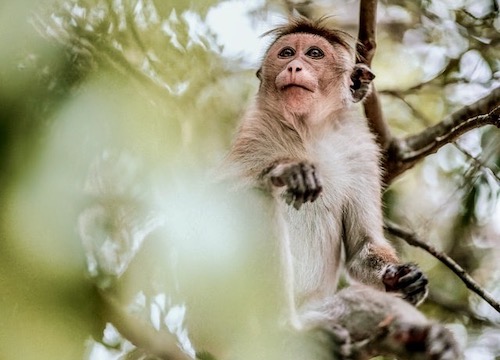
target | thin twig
[
  {"x": 412, "y": 239},
  {"x": 415, "y": 112},
  {"x": 138, "y": 40},
  {"x": 477, "y": 161}
]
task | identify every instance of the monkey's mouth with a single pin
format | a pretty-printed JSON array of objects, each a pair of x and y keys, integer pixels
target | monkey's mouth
[{"x": 295, "y": 86}]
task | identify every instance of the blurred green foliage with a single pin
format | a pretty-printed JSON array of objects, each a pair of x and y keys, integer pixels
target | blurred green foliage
[{"x": 113, "y": 117}]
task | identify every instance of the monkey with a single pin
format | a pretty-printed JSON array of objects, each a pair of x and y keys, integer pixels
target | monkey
[{"x": 303, "y": 144}]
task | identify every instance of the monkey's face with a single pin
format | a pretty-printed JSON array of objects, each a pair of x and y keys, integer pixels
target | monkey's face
[{"x": 302, "y": 69}]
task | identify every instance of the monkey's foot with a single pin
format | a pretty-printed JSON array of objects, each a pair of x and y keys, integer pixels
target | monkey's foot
[
  {"x": 430, "y": 342},
  {"x": 301, "y": 181},
  {"x": 408, "y": 280},
  {"x": 342, "y": 346}
]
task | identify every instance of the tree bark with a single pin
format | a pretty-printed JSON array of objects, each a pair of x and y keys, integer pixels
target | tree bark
[
  {"x": 365, "y": 51},
  {"x": 403, "y": 154}
]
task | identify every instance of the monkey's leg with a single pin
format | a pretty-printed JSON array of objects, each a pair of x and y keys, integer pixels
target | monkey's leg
[
  {"x": 340, "y": 345},
  {"x": 373, "y": 322}
]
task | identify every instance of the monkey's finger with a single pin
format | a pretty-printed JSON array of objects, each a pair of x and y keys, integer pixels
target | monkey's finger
[
  {"x": 441, "y": 344},
  {"x": 299, "y": 199},
  {"x": 301, "y": 187},
  {"x": 316, "y": 194},
  {"x": 297, "y": 186},
  {"x": 311, "y": 194},
  {"x": 416, "y": 285},
  {"x": 319, "y": 187},
  {"x": 416, "y": 292},
  {"x": 416, "y": 298},
  {"x": 292, "y": 199},
  {"x": 313, "y": 185},
  {"x": 410, "y": 278},
  {"x": 298, "y": 203},
  {"x": 309, "y": 181},
  {"x": 289, "y": 197},
  {"x": 296, "y": 182}
]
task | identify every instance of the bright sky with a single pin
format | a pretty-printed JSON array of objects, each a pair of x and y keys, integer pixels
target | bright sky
[{"x": 237, "y": 32}]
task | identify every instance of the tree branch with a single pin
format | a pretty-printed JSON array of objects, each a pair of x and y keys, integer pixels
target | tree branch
[
  {"x": 365, "y": 50},
  {"x": 405, "y": 153},
  {"x": 367, "y": 42},
  {"x": 412, "y": 239}
]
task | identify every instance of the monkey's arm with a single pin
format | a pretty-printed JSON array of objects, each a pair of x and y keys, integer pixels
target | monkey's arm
[
  {"x": 370, "y": 259},
  {"x": 278, "y": 171}
]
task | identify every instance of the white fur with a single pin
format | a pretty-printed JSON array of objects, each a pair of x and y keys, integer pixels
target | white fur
[{"x": 346, "y": 159}]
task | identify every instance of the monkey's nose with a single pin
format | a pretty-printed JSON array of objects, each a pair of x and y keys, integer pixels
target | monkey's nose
[{"x": 294, "y": 68}]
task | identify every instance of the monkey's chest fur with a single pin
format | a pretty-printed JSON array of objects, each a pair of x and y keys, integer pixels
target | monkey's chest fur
[{"x": 346, "y": 158}]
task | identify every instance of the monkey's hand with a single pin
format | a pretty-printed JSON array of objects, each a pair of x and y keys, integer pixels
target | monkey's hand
[
  {"x": 301, "y": 181},
  {"x": 408, "y": 280}
]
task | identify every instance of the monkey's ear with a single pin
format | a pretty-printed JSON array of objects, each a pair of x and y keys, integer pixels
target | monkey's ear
[
  {"x": 361, "y": 78},
  {"x": 259, "y": 74}
]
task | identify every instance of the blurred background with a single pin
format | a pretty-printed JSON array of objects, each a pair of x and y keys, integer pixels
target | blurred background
[{"x": 114, "y": 116}]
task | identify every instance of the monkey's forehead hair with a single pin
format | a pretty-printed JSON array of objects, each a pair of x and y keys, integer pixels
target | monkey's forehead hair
[{"x": 316, "y": 27}]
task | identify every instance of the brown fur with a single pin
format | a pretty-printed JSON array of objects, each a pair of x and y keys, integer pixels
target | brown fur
[{"x": 315, "y": 27}]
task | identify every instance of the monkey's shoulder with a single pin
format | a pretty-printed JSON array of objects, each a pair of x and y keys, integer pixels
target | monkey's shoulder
[{"x": 347, "y": 143}]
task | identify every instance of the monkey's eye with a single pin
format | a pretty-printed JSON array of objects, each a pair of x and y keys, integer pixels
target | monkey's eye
[
  {"x": 315, "y": 53},
  {"x": 286, "y": 52}
]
